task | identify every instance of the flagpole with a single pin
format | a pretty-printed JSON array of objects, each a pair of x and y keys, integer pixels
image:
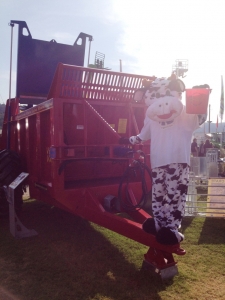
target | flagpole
[
  {"x": 217, "y": 127},
  {"x": 221, "y": 106}
]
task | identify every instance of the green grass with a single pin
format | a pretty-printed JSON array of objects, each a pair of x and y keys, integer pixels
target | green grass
[{"x": 72, "y": 259}]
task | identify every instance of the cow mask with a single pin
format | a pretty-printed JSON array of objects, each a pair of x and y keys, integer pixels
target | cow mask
[{"x": 162, "y": 96}]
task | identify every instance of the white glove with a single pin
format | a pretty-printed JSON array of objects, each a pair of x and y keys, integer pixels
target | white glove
[{"x": 134, "y": 140}]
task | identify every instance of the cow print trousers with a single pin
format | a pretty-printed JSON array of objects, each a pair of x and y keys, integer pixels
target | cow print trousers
[{"x": 169, "y": 192}]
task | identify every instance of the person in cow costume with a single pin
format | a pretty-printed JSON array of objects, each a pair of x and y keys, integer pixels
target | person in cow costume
[{"x": 170, "y": 130}]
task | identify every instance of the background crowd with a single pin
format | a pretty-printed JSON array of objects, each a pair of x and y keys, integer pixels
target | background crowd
[{"x": 200, "y": 150}]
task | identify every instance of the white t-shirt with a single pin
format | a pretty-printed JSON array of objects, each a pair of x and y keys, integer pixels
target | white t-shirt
[{"x": 170, "y": 141}]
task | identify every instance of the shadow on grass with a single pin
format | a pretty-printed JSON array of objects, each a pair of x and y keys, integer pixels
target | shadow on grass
[
  {"x": 213, "y": 231},
  {"x": 186, "y": 222},
  {"x": 69, "y": 259}
]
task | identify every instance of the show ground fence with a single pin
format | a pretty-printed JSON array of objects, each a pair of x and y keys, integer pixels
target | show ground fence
[{"x": 206, "y": 190}]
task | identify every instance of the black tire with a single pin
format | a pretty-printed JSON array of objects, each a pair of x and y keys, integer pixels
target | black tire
[{"x": 10, "y": 168}]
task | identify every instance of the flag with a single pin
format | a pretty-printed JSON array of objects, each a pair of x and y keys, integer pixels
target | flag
[{"x": 222, "y": 100}]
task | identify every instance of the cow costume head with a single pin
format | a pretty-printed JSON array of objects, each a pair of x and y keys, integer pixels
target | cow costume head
[{"x": 163, "y": 98}]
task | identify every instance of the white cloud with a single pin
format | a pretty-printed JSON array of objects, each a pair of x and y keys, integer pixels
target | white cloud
[{"x": 156, "y": 33}]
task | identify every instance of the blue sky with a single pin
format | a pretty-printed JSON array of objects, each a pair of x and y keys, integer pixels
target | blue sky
[{"x": 148, "y": 36}]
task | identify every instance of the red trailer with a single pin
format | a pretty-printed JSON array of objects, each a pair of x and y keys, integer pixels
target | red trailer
[{"x": 71, "y": 138}]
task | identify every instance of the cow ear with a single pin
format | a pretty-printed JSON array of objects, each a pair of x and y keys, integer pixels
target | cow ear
[
  {"x": 139, "y": 94},
  {"x": 177, "y": 85},
  {"x": 181, "y": 84},
  {"x": 172, "y": 77}
]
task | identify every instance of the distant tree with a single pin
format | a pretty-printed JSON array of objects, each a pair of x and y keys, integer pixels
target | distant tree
[{"x": 216, "y": 145}]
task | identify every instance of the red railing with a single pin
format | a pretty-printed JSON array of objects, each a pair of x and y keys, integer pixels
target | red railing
[{"x": 75, "y": 82}]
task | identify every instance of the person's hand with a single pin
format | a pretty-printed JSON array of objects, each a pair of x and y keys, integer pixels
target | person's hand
[{"x": 135, "y": 140}]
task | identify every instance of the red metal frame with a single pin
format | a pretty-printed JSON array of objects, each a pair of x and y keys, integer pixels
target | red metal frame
[
  {"x": 67, "y": 145},
  {"x": 72, "y": 82}
]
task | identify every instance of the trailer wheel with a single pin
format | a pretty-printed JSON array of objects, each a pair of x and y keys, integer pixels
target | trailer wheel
[{"x": 10, "y": 168}]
